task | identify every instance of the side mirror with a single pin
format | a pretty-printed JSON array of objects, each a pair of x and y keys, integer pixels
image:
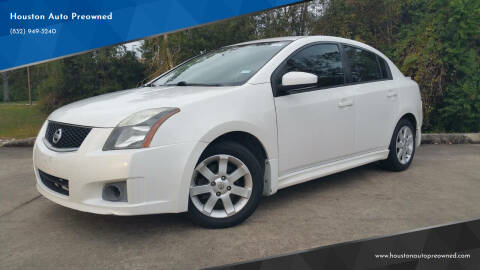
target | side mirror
[{"x": 299, "y": 79}]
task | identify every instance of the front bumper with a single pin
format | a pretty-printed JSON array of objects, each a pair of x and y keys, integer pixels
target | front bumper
[{"x": 157, "y": 178}]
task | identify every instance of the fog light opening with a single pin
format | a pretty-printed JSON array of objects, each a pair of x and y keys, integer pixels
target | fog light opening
[{"x": 115, "y": 192}]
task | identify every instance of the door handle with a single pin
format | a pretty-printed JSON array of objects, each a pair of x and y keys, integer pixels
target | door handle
[
  {"x": 391, "y": 94},
  {"x": 345, "y": 102}
]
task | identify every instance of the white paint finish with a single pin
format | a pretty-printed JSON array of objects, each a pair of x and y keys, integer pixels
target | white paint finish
[
  {"x": 298, "y": 78},
  {"x": 377, "y": 111},
  {"x": 109, "y": 109},
  {"x": 410, "y": 101},
  {"x": 331, "y": 167},
  {"x": 305, "y": 135},
  {"x": 156, "y": 177},
  {"x": 248, "y": 108},
  {"x": 314, "y": 127}
]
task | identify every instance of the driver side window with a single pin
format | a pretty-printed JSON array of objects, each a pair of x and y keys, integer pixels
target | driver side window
[{"x": 323, "y": 60}]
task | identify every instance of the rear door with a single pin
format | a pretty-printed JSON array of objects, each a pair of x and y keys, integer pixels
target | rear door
[{"x": 375, "y": 96}]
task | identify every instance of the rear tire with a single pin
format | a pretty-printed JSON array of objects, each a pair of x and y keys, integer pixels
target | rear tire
[
  {"x": 402, "y": 147},
  {"x": 226, "y": 186}
]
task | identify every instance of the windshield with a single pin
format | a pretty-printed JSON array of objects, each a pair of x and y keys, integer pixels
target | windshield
[{"x": 227, "y": 66}]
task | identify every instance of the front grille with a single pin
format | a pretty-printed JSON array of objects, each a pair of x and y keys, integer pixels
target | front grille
[
  {"x": 63, "y": 136},
  {"x": 54, "y": 183}
]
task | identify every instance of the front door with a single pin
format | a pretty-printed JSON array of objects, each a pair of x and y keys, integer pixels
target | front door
[{"x": 315, "y": 125}]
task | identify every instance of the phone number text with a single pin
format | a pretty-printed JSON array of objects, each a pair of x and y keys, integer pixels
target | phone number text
[{"x": 32, "y": 31}]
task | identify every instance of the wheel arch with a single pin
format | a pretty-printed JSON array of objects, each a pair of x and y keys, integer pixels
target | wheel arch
[
  {"x": 246, "y": 139},
  {"x": 410, "y": 117},
  {"x": 261, "y": 144},
  {"x": 406, "y": 114},
  {"x": 415, "y": 120},
  {"x": 244, "y": 132}
]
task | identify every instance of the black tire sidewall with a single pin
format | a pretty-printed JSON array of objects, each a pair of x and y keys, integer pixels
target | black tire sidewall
[
  {"x": 256, "y": 170},
  {"x": 392, "y": 162}
]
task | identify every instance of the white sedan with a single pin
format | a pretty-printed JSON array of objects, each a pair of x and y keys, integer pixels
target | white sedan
[{"x": 216, "y": 133}]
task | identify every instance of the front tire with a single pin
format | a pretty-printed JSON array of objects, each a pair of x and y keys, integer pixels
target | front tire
[
  {"x": 402, "y": 147},
  {"x": 226, "y": 186}
]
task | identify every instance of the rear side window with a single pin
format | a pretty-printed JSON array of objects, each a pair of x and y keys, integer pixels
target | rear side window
[
  {"x": 363, "y": 65},
  {"x": 323, "y": 60},
  {"x": 384, "y": 68}
]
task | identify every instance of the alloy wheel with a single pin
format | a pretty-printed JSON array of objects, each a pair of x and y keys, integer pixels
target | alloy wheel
[
  {"x": 404, "y": 144},
  {"x": 221, "y": 186}
]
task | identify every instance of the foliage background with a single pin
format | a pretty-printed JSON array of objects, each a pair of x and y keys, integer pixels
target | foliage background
[{"x": 436, "y": 42}]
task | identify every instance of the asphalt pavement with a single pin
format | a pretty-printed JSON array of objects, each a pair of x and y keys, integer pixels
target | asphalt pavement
[{"x": 441, "y": 186}]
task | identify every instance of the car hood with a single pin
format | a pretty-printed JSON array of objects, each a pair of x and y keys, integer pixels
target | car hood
[{"x": 109, "y": 109}]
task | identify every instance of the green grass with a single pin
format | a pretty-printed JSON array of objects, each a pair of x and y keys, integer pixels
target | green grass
[{"x": 18, "y": 120}]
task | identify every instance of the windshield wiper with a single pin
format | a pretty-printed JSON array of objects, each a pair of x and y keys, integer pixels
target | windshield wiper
[{"x": 184, "y": 83}]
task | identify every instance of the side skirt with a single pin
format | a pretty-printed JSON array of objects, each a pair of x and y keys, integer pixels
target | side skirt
[{"x": 330, "y": 168}]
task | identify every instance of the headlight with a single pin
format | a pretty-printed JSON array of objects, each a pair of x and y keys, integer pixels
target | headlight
[{"x": 137, "y": 130}]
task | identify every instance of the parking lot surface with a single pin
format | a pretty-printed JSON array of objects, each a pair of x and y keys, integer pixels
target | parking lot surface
[{"x": 441, "y": 186}]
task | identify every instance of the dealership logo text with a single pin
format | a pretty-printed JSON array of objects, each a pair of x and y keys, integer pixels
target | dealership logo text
[{"x": 60, "y": 16}]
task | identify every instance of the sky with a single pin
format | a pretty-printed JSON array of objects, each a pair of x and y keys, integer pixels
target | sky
[{"x": 135, "y": 46}]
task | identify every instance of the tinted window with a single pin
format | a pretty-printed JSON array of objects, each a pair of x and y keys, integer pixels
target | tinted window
[
  {"x": 232, "y": 65},
  {"x": 363, "y": 65},
  {"x": 323, "y": 60},
  {"x": 384, "y": 68}
]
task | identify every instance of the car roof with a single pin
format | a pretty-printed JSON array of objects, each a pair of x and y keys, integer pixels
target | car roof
[
  {"x": 276, "y": 39},
  {"x": 317, "y": 38},
  {"x": 308, "y": 38},
  {"x": 297, "y": 42}
]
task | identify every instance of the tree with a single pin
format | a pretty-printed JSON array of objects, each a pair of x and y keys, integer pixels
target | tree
[
  {"x": 435, "y": 42},
  {"x": 439, "y": 48},
  {"x": 17, "y": 82},
  {"x": 294, "y": 20},
  {"x": 90, "y": 74},
  {"x": 160, "y": 53},
  {"x": 374, "y": 22}
]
